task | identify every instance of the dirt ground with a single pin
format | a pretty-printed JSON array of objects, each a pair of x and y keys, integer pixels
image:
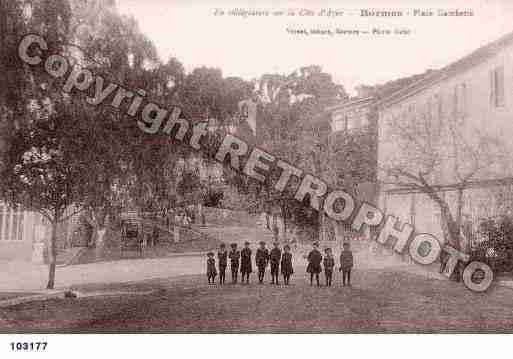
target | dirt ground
[{"x": 378, "y": 302}]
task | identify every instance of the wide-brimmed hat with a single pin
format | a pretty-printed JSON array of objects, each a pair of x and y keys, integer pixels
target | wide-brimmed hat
[
  {"x": 262, "y": 243},
  {"x": 233, "y": 245},
  {"x": 210, "y": 254},
  {"x": 316, "y": 244},
  {"x": 246, "y": 243}
]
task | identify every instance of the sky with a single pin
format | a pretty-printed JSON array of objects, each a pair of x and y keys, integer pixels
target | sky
[{"x": 249, "y": 47}]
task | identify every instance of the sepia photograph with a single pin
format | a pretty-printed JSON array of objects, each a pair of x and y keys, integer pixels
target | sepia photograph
[{"x": 243, "y": 167}]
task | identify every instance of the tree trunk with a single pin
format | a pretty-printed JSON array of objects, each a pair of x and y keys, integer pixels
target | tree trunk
[
  {"x": 459, "y": 219},
  {"x": 321, "y": 225},
  {"x": 449, "y": 225},
  {"x": 452, "y": 233},
  {"x": 100, "y": 235},
  {"x": 284, "y": 219},
  {"x": 98, "y": 219},
  {"x": 52, "y": 256}
]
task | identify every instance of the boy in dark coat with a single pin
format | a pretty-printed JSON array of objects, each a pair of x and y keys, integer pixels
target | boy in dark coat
[
  {"x": 275, "y": 258},
  {"x": 346, "y": 263},
  {"x": 314, "y": 263},
  {"x": 329, "y": 263},
  {"x": 261, "y": 260},
  {"x": 286, "y": 264},
  {"x": 234, "y": 256},
  {"x": 222, "y": 259},
  {"x": 245, "y": 262},
  {"x": 211, "y": 268}
]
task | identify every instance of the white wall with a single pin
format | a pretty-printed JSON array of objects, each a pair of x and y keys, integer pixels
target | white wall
[{"x": 479, "y": 115}]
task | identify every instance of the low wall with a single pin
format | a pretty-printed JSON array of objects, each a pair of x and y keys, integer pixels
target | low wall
[{"x": 16, "y": 250}]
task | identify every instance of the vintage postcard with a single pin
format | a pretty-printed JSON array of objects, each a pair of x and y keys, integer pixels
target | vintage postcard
[{"x": 246, "y": 167}]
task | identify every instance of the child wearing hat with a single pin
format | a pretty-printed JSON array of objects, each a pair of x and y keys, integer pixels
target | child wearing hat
[
  {"x": 275, "y": 258},
  {"x": 222, "y": 260},
  {"x": 245, "y": 262},
  {"x": 329, "y": 263},
  {"x": 261, "y": 260},
  {"x": 286, "y": 264},
  {"x": 314, "y": 263},
  {"x": 211, "y": 268},
  {"x": 234, "y": 256}
]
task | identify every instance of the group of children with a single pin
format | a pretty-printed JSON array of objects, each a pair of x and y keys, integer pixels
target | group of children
[{"x": 277, "y": 259}]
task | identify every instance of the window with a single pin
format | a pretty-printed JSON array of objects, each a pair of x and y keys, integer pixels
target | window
[
  {"x": 354, "y": 123},
  {"x": 440, "y": 106},
  {"x": 497, "y": 87},
  {"x": 11, "y": 223},
  {"x": 428, "y": 109},
  {"x": 339, "y": 122},
  {"x": 460, "y": 99}
]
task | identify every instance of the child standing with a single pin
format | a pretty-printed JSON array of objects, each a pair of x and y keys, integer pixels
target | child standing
[
  {"x": 222, "y": 260},
  {"x": 234, "y": 256},
  {"x": 346, "y": 263},
  {"x": 275, "y": 259},
  {"x": 329, "y": 263},
  {"x": 261, "y": 260},
  {"x": 211, "y": 268},
  {"x": 314, "y": 263},
  {"x": 245, "y": 262},
  {"x": 286, "y": 264}
]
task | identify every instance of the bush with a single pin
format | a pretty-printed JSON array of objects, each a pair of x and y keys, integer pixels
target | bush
[{"x": 496, "y": 245}]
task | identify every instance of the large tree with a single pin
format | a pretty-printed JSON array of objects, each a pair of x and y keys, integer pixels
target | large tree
[
  {"x": 45, "y": 169},
  {"x": 428, "y": 152}
]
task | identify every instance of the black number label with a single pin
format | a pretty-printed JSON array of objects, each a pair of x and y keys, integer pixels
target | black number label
[{"x": 28, "y": 346}]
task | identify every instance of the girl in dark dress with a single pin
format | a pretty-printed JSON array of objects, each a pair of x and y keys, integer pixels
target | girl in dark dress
[
  {"x": 286, "y": 264},
  {"x": 222, "y": 259},
  {"x": 234, "y": 256},
  {"x": 211, "y": 268},
  {"x": 245, "y": 262},
  {"x": 261, "y": 260},
  {"x": 314, "y": 263}
]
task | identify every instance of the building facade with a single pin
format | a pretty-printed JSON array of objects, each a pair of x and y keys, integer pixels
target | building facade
[
  {"x": 24, "y": 235},
  {"x": 353, "y": 142},
  {"x": 447, "y": 115},
  {"x": 19, "y": 231}
]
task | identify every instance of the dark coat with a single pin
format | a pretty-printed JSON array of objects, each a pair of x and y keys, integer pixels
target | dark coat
[
  {"x": 286, "y": 264},
  {"x": 346, "y": 260},
  {"x": 262, "y": 257},
  {"x": 314, "y": 262},
  {"x": 275, "y": 256},
  {"x": 222, "y": 258},
  {"x": 245, "y": 261},
  {"x": 234, "y": 258},
  {"x": 211, "y": 267},
  {"x": 329, "y": 263}
]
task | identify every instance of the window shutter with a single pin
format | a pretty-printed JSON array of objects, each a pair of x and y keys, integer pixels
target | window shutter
[
  {"x": 499, "y": 82},
  {"x": 492, "y": 88}
]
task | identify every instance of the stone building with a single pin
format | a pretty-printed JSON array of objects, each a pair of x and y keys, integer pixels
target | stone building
[{"x": 469, "y": 100}]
